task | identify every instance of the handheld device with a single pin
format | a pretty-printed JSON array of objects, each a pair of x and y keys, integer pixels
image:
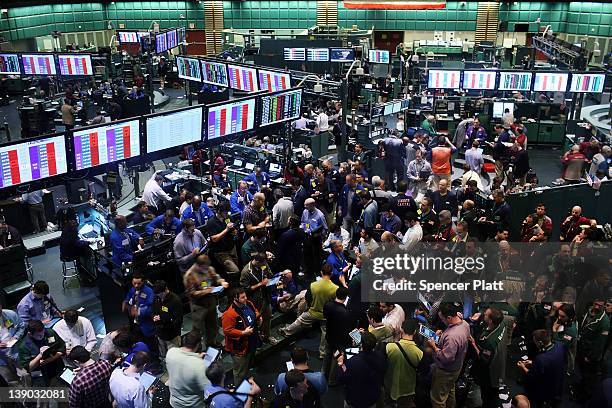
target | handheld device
[
  {"x": 243, "y": 388},
  {"x": 428, "y": 333},
  {"x": 356, "y": 336},
  {"x": 67, "y": 376},
  {"x": 289, "y": 365},
  {"x": 147, "y": 380},
  {"x": 211, "y": 355}
]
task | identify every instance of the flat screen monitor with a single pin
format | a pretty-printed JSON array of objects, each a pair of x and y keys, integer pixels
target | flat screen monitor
[
  {"x": 515, "y": 81},
  {"x": 189, "y": 68},
  {"x": 9, "y": 64},
  {"x": 317, "y": 54},
  {"x": 378, "y": 111},
  {"x": 550, "y": 82},
  {"x": 75, "y": 65},
  {"x": 181, "y": 34},
  {"x": 484, "y": 80},
  {"x": 295, "y": 54},
  {"x": 441, "y": 79},
  {"x": 128, "y": 37},
  {"x": 500, "y": 107},
  {"x": 161, "y": 43},
  {"x": 231, "y": 118},
  {"x": 588, "y": 83},
  {"x": 38, "y": 64},
  {"x": 174, "y": 129},
  {"x": 242, "y": 78},
  {"x": 379, "y": 56},
  {"x": 34, "y": 160},
  {"x": 106, "y": 144},
  {"x": 341, "y": 54},
  {"x": 396, "y": 107},
  {"x": 214, "y": 73},
  {"x": 280, "y": 107},
  {"x": 273, "y": 81},
  {"x": 171, "y": 39}
]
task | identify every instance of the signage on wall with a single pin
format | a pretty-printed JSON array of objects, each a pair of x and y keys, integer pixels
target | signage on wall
[{"x": 395, "y": 4}]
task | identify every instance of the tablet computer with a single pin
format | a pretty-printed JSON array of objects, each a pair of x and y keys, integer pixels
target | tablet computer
[
  {"x": 243, "y": 388},
  {"x": 356, "y": 336},
  {"x": 67, "y": 376},
  {"x": 428, "y": 333},
  {"x": 211, "y": 355}
]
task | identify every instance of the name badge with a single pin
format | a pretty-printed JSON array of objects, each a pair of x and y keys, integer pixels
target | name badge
[
  {"x": 164, "y": 309},
  {"x": 125, "y": 242},
  {"x": 51, "y": 340},
  {"x": 143, "y": 295}
]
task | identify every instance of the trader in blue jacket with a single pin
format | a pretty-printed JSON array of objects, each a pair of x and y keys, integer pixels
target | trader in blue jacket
[
  {"x": 197, "y": 212},
  {"x": 138, "y": 304},
  {"x": 240, "y": 198},
  {"x": 123, "y": 241},
  {"x": 163, "y": 224},
  {"x": 257, "y": 180}
]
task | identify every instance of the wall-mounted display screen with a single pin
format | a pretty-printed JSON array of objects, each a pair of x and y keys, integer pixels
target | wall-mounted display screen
[
  {"x": 439, "y": 79},
  {"x": 295, "y": 54},
  {"x": 379, "y": 56},
  {"x": 341, "y": 54},
  {"x": 126, "y": 37},
  {"x": 588, "y": 83},
  {"x": 242, "y": 78},
  {"x": 38, "y": 64},
  {"x": 75, "y": 65},
  {"x": 106, "y": 144},
  {"x": 514, "y": 81},
  {"x": 189, "y": 68},
  {"x": 500, "y": 107},
  {"x": 317, "y": 54},
  {"x": 550, "y": 82},
  {"x": 479, "y": 80},
  {"x": 181, "y": 34},
  {"x": 9, "y": 64},
  {"x": 273, "y": 81},
  {"x": 231, "y": 118},
  {"x": 280, "y": 107},
  {"x": 171, "y": 39},
  {"x": 214, "y": 73},
  {"x": 174, "y": 129},
  {"x": 30, "y": 161},
  {"x": 161, "y": 43}
]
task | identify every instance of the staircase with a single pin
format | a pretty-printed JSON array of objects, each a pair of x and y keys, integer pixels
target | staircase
[
  {"x": 213, "y": 25},
  {"x": 487, "y": 23}
]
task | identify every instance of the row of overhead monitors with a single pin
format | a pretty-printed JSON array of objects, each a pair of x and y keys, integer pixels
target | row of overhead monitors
[
  {"x": 231, "y": 75},
  {"x": 131, "y": 139},
  {"x": 164, "y": 41},
  {"x": 46, "y": 64},
  {"x": 584, "y": 82},
  {"x": 336, "y": 55}
]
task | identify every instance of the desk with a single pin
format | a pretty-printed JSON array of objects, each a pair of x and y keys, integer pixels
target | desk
[{"x": 319, "y": 144}]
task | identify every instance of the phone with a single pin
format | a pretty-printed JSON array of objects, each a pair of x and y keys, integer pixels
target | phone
[
  {"x": 211, "y": 355},
  {"x": 243, "y": 388},
  {"x": 356, "y": 336},
  {"x": 428, "y": 333}
]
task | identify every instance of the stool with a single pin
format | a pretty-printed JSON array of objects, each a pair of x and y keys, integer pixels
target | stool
[{"x": 68, "y": 271}]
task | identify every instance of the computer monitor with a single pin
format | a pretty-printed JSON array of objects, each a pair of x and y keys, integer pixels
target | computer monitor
[
  {"x": 189, "y": 68},
  {"x": 128, "y": 37},
  {"x": 161, "y": 43},
  {"x": 75, "y": 65},
  {"x": 295, "y": 54},
  {"x": 273, "y": 81},
  {"x": 498, "y": 109},
  {"x": 379, "y": 56},
  {"x": 397, "y": 107},
  {"x": 214, "y": 73},
  {"x": 341, "y": 55},
  {"x": 378, "y": 111},
  {"x": 98, "y": 145},
  {"x": 32, "y": 160},
  {"x": 514, "y": 81},
  {"x": 230, "y": 118},
  {"x": 588, "y": 83},
  {"x": 172, "y": 129},
  {"x": 280, "y": 107},
  {"x": 275, "y": 168},
  {"x": 9, "y": 64},
  {"x": 317, "y": 54},
  {"x": 242, "y": 78},
  {"x": 479, "y": 80},
  {"x": 444, "y": 79},
  {"x": 550, "y": 82},
  {"x": 237, "y": 163},
  {"x": 171, "y": 39},
  {"x": 38, "y": 64},
  {"x": 249, "y": 166}
]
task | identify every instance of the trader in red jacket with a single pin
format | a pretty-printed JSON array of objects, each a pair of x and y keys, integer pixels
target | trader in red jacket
[{"x": 240, "y": 326}]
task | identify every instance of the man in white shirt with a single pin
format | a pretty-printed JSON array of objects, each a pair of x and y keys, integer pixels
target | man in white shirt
[
  {"x": 507, "y": 118},
  {"x": 282, "y": 210},
  {"x": 300, "y": 123},
  {"x": 153, "y": 194},
  {"x": 414, "y": 234},
  {"x": 76, "y": 330},
  {"x": 125, "y": 385},
  {"x": 187, "y": 372},
  {"x": 394, "y": 318},
  {"x": 322, "y": 121}
]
